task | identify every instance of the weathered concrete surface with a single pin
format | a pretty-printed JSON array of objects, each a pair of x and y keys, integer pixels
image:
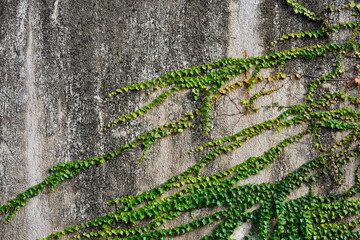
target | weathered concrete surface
[{"x": 60, "y": 58}]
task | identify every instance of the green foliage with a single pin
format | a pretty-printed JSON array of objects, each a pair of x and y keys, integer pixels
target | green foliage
[
  {"x": 307, "y": 217},
  {"x": 320, "y": 33},
  {"x": 300, "y": 9}
]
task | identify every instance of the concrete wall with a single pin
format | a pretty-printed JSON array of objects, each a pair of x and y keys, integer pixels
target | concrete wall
[{"x": 60, "y": 58}]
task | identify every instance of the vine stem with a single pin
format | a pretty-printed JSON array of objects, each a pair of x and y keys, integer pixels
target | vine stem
[{"x": 337, "y": 79}]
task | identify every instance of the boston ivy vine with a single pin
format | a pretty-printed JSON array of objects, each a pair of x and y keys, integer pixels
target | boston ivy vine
[{"x": 308, "y": 217}]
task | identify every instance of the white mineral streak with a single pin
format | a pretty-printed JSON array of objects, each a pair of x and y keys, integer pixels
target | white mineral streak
[
  {"x": 56, "y": 11},
  {"x": 243, "y": 29},
  {"x": 244, "y": 41},
  {"x": 32, "y": 121},
  {"x": 33, "y": 148}
]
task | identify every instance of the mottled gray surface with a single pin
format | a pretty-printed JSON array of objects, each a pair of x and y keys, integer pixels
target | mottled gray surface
[{"x": 59, "y": 59}]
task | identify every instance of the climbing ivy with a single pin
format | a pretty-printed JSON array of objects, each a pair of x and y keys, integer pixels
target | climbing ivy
[{"x": 144, "y": 216}]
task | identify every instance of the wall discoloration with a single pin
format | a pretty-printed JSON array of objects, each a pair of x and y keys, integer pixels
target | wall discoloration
[{"x": 244, "y": 36}]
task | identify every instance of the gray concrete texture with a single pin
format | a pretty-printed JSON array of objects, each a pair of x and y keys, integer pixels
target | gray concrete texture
[{"x": 60, "y": 58}]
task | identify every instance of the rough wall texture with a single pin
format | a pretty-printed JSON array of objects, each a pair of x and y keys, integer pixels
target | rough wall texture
[{"x": 59, "y": 59}]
